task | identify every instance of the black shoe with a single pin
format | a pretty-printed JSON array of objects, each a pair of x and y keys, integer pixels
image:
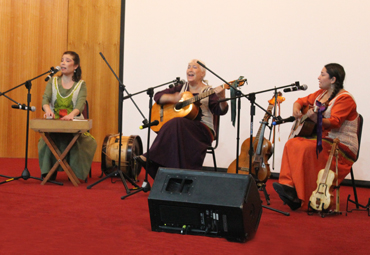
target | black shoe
[
  {"x": 288, "y": 195},
  {"x": 153, "y": 165},
  {"x": 52, "y": 177},
  {"x": 139, "y": 160}
]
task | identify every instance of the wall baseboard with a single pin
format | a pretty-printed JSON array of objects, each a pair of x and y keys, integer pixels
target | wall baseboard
[{"x": 346, "y": 182}]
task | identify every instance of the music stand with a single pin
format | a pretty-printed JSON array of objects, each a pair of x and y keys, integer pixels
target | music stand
[{"x": 26, "y": 173}]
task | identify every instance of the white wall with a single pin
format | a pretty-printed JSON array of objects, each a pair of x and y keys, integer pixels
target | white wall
[{"x": 271, "y": 43}]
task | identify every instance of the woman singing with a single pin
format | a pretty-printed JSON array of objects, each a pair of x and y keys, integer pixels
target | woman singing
[
  {"x": 64, "y": 98},
  {"x": 182, "y": 143},
  {"x": 300, "y": 163}
]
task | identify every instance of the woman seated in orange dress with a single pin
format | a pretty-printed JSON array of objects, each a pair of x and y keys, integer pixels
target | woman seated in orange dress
[{"x": 300, "y": 162}]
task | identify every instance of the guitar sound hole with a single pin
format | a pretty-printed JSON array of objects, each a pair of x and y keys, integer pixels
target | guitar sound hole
[{"x": 178, "y": 106}]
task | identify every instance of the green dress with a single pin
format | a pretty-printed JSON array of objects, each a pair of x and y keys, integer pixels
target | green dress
[{"x": 82, "y": 153}]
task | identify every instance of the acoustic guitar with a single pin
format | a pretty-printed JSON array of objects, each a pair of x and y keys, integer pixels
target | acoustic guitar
[
  {"x": 303, "y": 126},
  {"x": 321, "y": 198},
  {"x": 185, "y": 108}
]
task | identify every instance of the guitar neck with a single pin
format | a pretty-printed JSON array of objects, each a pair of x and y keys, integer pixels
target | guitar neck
[
  {"x": 198, "y": 97},
  {"x": 211, "y": 91}
]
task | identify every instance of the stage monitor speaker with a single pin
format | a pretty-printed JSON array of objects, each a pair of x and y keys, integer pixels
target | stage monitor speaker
[{"x": 205, "y": 203}]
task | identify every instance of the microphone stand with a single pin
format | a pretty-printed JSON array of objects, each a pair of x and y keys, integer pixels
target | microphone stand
[
  {"x": 252, "y": 98},
  {"x": 26, "y": 173},
  {"x": 150, "y": 91},
  {"x": 118, "y": 172}
]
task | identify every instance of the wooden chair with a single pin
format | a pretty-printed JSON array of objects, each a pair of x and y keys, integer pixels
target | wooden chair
[
  {"x": 211, "y": 149},
  {"x": 358, "y": 205},
  {"x": 85, "y": 113}
]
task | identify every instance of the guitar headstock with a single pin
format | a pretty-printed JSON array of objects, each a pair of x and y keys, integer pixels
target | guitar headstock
[
  {"x": 280, "y": 98},
  {"x": 235, "y": 83}
]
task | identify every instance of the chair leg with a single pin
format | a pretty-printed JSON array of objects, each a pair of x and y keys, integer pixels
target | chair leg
[
  {"x": 214, "y": 159},
  {"x": 358, "y": 205},
  {"x": 354, "y": 188}
]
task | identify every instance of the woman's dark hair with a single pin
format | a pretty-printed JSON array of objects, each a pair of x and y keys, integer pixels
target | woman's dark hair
[
  {"x": 76, "y": 59},
  {"x": 337, "y": 71}
]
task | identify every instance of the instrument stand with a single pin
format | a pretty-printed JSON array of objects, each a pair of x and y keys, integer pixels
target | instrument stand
[
  {"x": 118, "y": 172},
  {"x": 26, "y": 173},
  {"x": 324, "y": 212},
  {"x": 251, "y": 97},
  {"x": 262, "y": 187}
]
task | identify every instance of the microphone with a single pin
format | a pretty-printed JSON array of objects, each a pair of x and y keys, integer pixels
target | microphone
[
  {"x": 177, "y": 82},
  {"x": 296, "y": 88},
  {"x": 281, "y": 121},
  {"x": 153, "y": 123},
  {"x": 180, "y": 82},
  {"x": 23, "y": 107},
  {"x": 53, "y": 71}
]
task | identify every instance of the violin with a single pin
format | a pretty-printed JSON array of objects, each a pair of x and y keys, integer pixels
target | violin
[
  {"x": 262, "y": 150},
  {"x": 321, "y": 198}
]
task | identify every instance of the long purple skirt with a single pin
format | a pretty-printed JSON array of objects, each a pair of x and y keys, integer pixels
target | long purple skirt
[{"x": 181, "y": 143}]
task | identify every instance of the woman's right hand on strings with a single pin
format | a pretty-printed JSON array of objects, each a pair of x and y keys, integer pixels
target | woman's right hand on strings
[
  {"x": 170, "y": 98},
  {"x": 297, "y": 110},
  {"x": 176, "y": 97},
  {"x": 49, "y": 115}
]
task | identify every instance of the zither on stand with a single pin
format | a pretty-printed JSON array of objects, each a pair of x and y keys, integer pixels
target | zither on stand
[
  {"x": 251, "y": 97},
  {"x": 26, "y": 174}
]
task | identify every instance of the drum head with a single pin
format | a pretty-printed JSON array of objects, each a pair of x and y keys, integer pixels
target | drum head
[{"x": 131, "y": 146}]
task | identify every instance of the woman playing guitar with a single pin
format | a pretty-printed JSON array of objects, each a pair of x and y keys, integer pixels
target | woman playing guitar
[
  {"x": 300, "y": 162},
  {"x": 182, "y": 142}
]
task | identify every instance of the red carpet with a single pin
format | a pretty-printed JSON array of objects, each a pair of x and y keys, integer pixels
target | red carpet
[{"x": 54, "y": 219}]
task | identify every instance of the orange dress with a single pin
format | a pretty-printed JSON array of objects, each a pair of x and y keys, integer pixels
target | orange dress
[{"x": 300, "y": 165}]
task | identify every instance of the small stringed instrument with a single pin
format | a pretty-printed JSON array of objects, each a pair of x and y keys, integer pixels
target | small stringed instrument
[
  {"x": 184, "y": 108},
  {"x": 321, "y": 198},
  {"x": 262, "y": 150},
  {"x": 303, "y": 126}
]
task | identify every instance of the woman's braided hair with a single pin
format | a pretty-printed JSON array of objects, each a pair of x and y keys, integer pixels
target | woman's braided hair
[{"x": 337, "y": 71}]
